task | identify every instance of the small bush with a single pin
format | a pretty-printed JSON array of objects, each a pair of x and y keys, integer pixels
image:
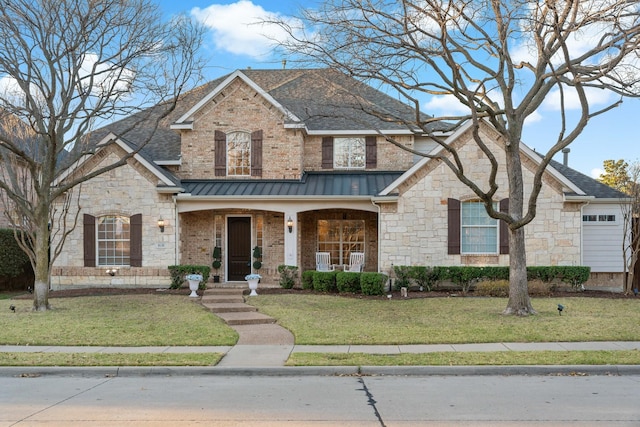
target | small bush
[
  {"x": 288, "y": 275},
  {"x": 307, "y": 279},
  {"x": 540, "y": 288},
  {"x": 493, "y": 288},
  {"x": 348, "y": 281},
  {"x": 403, "y": 276},
  {"x": 425, "y": 277},
  {"x": 13, "y": 260},
  {"x": 373, "y": 283},
  {"x": 324, "y": 281},
  {"x": 179, "y": 271}
]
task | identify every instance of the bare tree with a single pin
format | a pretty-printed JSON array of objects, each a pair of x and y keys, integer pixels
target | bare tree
[
  {"x": 67, "y": 67},
  {"x": 499, "y": 59},
  {"x": 631, "y": 224}
]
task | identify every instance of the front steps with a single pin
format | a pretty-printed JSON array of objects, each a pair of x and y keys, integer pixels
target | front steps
[{"x": 228, "y": 304}]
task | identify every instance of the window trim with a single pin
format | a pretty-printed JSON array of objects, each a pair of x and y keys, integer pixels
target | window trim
[
  {"x": 126, "y": 261},
  {"x": 495, "y": 226},
  {"x": 350, "y": 155},
  {"x": 341, "y": 242}
]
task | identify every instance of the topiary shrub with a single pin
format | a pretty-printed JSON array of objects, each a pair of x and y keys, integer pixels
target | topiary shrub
[
  {"x": 307, "y": 279},
  {"x": 324, "y": 281},
  {"x": 15, "y": 267},
  {"x": 348, "y": 282},
  {"x": 373, "y": 283},
  {"x": 288, "y": 275},
  {"x": 179, "y": 271}
]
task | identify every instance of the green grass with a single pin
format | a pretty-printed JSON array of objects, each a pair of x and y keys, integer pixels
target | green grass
[
  {"x": 109, "y": 359},
  {"x": 115, "y": 320},
  {"x": 329, "y": 319},
  {"x": 501, "y": 358},
  {"x": 175, "y": 320}
]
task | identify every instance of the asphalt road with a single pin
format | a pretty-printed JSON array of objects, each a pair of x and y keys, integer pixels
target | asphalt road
[{"x": 313, "y": 400}]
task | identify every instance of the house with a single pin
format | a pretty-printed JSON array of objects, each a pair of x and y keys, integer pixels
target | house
[{"x": 292, "y": 162}]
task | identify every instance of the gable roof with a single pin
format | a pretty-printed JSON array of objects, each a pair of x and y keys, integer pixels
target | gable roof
[
  {"x": 318, "y": 100},
  {"x": 578, "y": 186}
]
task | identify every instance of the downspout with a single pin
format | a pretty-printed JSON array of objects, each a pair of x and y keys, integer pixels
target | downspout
[
  {"x": 176, "y": 230},
  {"x": 379, "y": 233},
  {"x": 584, "y": 205}
]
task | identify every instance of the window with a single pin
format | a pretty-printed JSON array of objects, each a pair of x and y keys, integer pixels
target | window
[
  {"x": 479, "y": 233},
  {"x": 340, "y": 238},
  {"x": 598, "y": 218},
  {"x": 238, "y": 154},
  {"x": 349, "y": 153},
  {"x": 113, "y": 240}
]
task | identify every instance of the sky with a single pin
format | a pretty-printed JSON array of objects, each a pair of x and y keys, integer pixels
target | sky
[{"x": 232, "y": 42}]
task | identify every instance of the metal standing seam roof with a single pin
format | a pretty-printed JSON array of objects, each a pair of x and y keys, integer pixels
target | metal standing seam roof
[{"x": 342, "y": 184}]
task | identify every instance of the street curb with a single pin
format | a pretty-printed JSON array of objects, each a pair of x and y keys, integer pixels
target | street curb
[{"x": 169, "y": 371}]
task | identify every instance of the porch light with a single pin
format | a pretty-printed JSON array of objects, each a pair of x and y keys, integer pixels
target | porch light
[
  {"x": 290, "y": 225},
  {"x": 161, "y": 225}
]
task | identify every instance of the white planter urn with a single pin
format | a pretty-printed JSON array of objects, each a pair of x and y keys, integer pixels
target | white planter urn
[
  {"x": 252, "y": 280},
  {"x": 194, "y": 283}
]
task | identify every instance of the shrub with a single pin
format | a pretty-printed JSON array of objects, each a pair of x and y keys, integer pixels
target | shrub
[
  {"x": 13, "y": 260},
  {"x": 288, "y": 275},
  {"x": 373, "y": 283},
  {"x": 403, "y": 276},
  {"x": 324, "y": 281},
  {"x": 179, "y": 271},
  {"x": 348, "y": 281},
  {"x": 464, "y": 276},
  {"x": 540, "y": 288},
  {"x": 493, "y": 288},
  {"x": 425, "y": 277},
  {"x": 575, "y": 276},
  {"x": 307, "y": 279}
]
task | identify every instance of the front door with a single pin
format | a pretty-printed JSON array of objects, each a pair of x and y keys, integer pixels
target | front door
[{"x": 239, "y": 247}]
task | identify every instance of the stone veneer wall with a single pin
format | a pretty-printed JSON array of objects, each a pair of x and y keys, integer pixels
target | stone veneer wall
[
  {"x": 240, "y": 108},
  {"x": 414, "y": 231},
  {"x": 127, "y": 190}
]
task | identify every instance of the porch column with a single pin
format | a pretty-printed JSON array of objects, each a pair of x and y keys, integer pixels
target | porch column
[{"x": 290, "y": 238}]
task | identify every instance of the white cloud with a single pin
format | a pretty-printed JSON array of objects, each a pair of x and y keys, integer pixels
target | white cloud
[
  {"x": 445, "y": 105},
  {"x": 571, "y": 100},
  {"x": 239, "y": 28},
  {"x": 596, "y": 172}
]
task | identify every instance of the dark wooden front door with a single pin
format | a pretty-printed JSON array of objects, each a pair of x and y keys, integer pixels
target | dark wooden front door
[{"x": 239, "y": 247}]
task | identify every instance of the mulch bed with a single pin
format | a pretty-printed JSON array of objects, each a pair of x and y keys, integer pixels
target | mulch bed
[{"x": 275, "y": 291}]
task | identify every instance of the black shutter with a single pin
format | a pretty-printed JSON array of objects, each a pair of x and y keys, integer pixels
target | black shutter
[
  {"x": 135, "y": 240},
  {"x": 453, "y": 226},
  {"x": 327, "y": 152},
  {"x": 371, "y": 152},
  {"x": 256, "y": 153},
  {"x": 504, "y": 228},
  {"x": 220, "y": 153},
  {"x": 89, "y": 240}
]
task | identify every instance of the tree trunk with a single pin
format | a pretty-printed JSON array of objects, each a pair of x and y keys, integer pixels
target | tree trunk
[
  {"x": 519, "y": 302},
  {"x": 41, "y": 284}
]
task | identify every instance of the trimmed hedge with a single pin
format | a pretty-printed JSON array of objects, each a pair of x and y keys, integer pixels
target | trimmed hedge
[
  {"x": 307, "y": 279},
  {"x": 324, "y": 281},
  {"x": 348, "y": 281},
  {"x": 373, "y": 283},
  {"x": 179, "y": 271},
  {"x": 466, "y": 276}
]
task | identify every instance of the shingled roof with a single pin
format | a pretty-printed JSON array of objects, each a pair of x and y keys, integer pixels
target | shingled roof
[{"x": 592, "y": 187}]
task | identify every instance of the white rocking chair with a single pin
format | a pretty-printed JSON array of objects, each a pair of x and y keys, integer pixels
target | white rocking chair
[
  {"x": 356, "y": 262},
  {"x": 323, "y": 262}
]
